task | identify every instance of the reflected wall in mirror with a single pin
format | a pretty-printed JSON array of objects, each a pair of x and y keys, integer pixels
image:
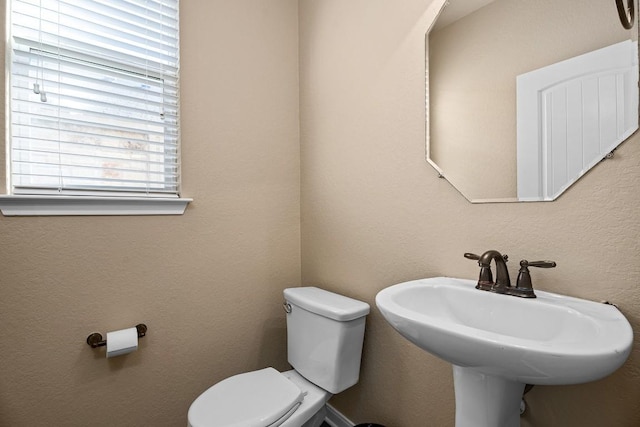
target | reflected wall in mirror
[{"x": 525, "y": 96}]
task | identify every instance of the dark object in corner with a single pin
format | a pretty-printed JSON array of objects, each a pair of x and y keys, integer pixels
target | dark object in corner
[{"x": 626, "y": 14}]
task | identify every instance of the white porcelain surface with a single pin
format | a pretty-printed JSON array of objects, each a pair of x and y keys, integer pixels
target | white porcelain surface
[
  {"x": 552, "y": 339},
  {"x": 259, "y": 398},
  {"x": 325, "y": 333},
  {"x": 251, "y": 399},
  {"x": 312, "y": 411}
]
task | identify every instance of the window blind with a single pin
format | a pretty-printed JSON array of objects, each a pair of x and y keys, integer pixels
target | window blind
[{"x": 94, "y": 97}]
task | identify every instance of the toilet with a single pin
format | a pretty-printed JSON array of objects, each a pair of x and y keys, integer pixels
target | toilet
[{"x": 325, "y": 332}]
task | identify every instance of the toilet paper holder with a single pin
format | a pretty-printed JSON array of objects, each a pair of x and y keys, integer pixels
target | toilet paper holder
[{"x": 95, "y": 339}]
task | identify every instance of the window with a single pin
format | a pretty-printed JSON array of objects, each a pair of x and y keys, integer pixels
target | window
[{"x": 94, "y": 100}]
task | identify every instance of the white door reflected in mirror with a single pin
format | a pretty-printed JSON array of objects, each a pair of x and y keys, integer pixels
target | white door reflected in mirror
[{"x": 571, "y": 115}]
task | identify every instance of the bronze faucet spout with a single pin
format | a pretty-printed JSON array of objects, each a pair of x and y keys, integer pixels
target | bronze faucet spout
[{"x": 503, "y": 282}]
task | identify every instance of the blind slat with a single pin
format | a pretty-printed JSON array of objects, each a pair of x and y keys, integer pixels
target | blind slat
[
  {"x": 104, "y": 158},
  {"x": 108, "y": 119},
  {"x": 79, "y": 43},
  {"x": 98, "y": 101},
  {"x": 41, "y": 135},
  {"x": 142, "y": 174},
  {"x": 49, "y": 63},
  {"x": 24, "y": 125}
]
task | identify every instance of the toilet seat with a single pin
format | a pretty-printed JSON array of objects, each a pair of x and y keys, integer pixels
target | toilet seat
[{"x": 254, "y": 399}]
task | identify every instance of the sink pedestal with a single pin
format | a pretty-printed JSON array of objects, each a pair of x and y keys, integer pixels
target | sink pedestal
[{"x": 485, "y": 400}]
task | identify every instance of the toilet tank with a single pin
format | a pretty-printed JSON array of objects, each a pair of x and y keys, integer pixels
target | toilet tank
[{"x": 325, "y": 332}]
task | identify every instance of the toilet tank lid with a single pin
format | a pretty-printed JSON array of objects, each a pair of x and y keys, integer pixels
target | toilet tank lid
[{"x": 325, "y": 303}]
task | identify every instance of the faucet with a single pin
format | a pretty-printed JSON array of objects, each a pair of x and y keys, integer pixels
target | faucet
[
  {"x": 502, "y": 285},
  {"x": 485, "y": 281}
]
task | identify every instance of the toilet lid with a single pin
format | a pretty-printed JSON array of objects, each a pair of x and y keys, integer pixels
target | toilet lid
[{"x": 252, "y": 399}]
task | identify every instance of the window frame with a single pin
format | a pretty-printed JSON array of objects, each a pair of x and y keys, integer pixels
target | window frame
[{"x": 47, "y": 203}]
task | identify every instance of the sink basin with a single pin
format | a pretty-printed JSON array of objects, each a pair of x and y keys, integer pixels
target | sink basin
[
  {"x": 552, "y": 339},
  {"x": 500, "y": 343}
]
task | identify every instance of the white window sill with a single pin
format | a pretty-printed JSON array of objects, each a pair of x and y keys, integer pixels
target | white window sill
[{"x": 23, "y": 205}]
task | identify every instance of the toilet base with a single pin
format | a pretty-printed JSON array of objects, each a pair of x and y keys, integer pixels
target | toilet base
[
  {"x": 317, "y": 419},
  {"x": 312, "y": 411}
]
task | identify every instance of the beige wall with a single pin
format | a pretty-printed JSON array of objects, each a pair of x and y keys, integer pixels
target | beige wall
[
  {"x": 374, "y": 213},
  {"x": 208, "y": 284}
]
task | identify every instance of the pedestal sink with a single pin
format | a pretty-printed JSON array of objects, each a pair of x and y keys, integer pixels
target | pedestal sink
[{"x": 498, "y": 343}]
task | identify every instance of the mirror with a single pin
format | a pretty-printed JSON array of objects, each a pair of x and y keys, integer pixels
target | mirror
[{"x": 525, "y": 96}]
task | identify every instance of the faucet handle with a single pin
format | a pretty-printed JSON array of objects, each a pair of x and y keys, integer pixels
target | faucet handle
[
  {"x": 469, "y": 255},
  {"x": 539, "y": 264},
  {"x": 524, "y": 288},
  {"x": 485, "y": 280}
]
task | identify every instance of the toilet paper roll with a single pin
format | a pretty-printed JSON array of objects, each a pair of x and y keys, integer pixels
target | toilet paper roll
[{"x": 122, "y": 342}]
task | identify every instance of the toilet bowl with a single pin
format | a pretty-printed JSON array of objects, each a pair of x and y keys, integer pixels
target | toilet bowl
[
  {"x": 325, "y": 332},
  {"x": 259, "y": 399}
]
